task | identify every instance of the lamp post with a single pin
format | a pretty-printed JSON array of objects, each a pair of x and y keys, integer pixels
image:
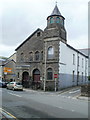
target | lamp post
[{"x": 45, "y": 66}]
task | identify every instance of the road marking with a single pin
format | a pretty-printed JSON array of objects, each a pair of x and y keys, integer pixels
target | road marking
[
  {"x": 77, "y": 95},
  {"x": 69, "y": 97},
  {"x": 15, "y": 94},
  {"x": 7, "y": 114},
  {"x": 74, "y": 98},
  {"x": 73, "y": 110},
  {"x": 74, "y": 91}
]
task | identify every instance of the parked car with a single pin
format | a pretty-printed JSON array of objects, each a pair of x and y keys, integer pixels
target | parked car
[
  {"x": 15, "y": 86},
  {"x": 2, "y": 84}
]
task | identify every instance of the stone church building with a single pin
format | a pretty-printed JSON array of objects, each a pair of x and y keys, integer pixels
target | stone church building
[{"x": 45, "y": 60}]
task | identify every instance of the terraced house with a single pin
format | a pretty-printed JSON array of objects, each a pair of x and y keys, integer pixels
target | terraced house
[{"x": 46, "y": 61}]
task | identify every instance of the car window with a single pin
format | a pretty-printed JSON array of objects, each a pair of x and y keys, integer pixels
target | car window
[
  {"x": 12, "y": 83},
  {"x": 18, "y": 84}
]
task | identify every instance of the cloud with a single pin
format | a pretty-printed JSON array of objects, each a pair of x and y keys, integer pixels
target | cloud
[
  {"x": 20, "y": 18},
  {"x": 6, "y": 50},
  {"x": 80, "y": 43}
]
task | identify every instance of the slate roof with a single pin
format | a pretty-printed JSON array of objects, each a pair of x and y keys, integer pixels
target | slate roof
[
  {"x": 56, "y": 11},
  {"x": 77, "y": 50},
  {"x": 28, "y": 38}
]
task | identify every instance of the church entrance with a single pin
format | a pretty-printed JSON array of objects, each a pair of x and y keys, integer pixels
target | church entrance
[
  {"x": 25, "y": 79},
  {"x": 36, "y": 79},
  {"x": 36, "y": 75}
]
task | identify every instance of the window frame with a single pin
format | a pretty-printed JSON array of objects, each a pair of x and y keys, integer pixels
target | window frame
[
  {"x": 73, "y": 59},
  {"x": 50, "y": 55},
  {"x": 30, "y": 56},
  {"x": 22, "y": 56},
  {"x": 37, "y": 56},
  {"x": 49, "y": 72}
]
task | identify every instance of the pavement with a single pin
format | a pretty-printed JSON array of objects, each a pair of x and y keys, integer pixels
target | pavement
[{"x": 60, "y": 92}]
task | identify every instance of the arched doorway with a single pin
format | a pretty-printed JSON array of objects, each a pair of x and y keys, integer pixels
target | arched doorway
[
  {"x": 25, "y": 79},
  {"x": 36, "y": 79},
  {"x": 36, "y": 75}
]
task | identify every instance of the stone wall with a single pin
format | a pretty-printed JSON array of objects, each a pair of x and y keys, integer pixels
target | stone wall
[{"x": 85, "y": 90}]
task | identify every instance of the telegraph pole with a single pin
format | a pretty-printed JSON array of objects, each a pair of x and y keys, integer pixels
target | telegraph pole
[{"x": 45, "y": 66}]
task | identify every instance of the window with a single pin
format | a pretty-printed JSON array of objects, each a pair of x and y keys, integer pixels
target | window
[
  {"x": 31, "y": 56},
  {"x": 77, "y": 77},
  {"x": 62, "y": 22},
  {"x": 78, "y": 60},
  {"x": 73, "y": 59},
  {"x": 37, "y": 55},
  {"x": 49, "y": 74},
  {"x": 57, "y": 20},
  {"x": 86, "y": 64},
  {"x": 42, "y": 55},
  {"x": 82, "y": 62},
  {"x": 51, "y": 20},
  {"x": 18, "y": 74},
  {"x": 38, "y": 34},
  {"x": 22, "y": 56},
  {"x": 50, "y": 53},
  {"x": 82, "y": 76}
]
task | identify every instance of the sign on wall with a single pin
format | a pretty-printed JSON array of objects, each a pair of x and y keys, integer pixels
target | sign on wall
[
  {"x": 7, "y": 70},
  {"x": 55, "y": 75}
]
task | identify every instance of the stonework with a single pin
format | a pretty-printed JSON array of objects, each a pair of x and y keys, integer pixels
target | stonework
[{"x": 38, "y": 56}]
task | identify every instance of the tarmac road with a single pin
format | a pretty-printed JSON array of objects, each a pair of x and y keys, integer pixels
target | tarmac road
[{"x": 33, "y": 104}]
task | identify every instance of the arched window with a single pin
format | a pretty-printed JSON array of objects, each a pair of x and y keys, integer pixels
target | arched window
[
  {"x": 31, "y": 56},
  {"x": 42, "y": 55},
  {"x": 49, "y": 74},
  {"x": 57, "y": 20},
  {"x": 37, "y": 56},
  {"x": 51, "y": 20},
  {"x": 50, "y": 53}
]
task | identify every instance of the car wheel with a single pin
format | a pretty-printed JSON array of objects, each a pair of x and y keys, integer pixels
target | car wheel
[{"x": 13, "y": 89}]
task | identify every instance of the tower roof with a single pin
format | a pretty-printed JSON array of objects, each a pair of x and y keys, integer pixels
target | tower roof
[{"x": 56, "y": 11}]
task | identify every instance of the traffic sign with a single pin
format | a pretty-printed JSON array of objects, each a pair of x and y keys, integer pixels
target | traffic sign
[{"x": 55, "y": 75}]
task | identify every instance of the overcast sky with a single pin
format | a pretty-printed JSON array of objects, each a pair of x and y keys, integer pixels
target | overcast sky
[{"x": 20, "y": 18}]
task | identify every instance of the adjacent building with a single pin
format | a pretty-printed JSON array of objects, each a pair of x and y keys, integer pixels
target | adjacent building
[
  {"x": 2, "y": 61},
  {"x": 45, "y": 60},
  {"x": 9, "y": 68}
]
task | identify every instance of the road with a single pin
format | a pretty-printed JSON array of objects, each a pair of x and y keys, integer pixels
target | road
[{"x": 36, "y": 104}]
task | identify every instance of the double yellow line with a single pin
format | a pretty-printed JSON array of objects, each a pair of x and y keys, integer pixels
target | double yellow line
[{"x": 9, "y": 114}]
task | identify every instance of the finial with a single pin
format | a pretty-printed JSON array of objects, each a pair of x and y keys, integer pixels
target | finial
[{"x": 56, "y": 2}]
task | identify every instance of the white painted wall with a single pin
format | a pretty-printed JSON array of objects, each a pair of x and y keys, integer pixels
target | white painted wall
[{"x": 66, "y": 66}]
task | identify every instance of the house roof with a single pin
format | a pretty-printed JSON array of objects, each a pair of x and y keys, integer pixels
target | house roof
[
  {"x": 28, "y": 38},
  {"x": 8, "y": 61},
  {"x": 77, "y": 50}
]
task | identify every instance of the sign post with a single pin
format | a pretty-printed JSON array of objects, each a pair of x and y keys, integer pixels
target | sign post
[{"x": 55, "y": 77}]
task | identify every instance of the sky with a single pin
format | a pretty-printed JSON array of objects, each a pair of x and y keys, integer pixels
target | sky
[{"x": 20, "y": 18}]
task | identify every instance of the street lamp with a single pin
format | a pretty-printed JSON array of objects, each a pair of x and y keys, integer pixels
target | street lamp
[{"x": 45, "y": 66}]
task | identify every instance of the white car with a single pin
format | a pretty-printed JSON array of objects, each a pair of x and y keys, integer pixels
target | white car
[{"x": 15, "y": 86}]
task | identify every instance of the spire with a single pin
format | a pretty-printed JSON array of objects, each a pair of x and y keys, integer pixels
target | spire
[{"x": 56, "y": 11}]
